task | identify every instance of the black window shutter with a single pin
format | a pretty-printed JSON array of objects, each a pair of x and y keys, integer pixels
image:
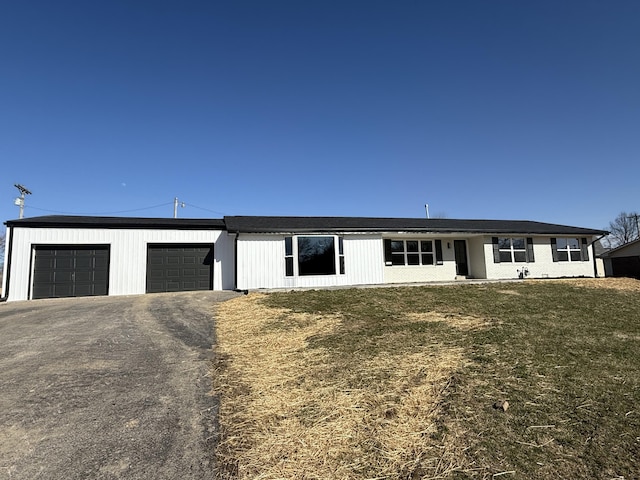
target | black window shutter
[
  {"x": 584, "y": 251},
  {"x": 387, "y": 251},
  {"x": 439, "y": 252},
  {"x": 554, "y": 249},
  {"x": 530, "y": 256},
  {"x": 496, "y": 250}
]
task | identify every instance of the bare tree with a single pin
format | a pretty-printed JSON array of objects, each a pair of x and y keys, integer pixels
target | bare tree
[
  {"x": 624, "y": 228},
  {"x": 2, "y": 239}
]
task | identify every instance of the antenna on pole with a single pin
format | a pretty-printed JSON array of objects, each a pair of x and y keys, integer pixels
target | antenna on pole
[
  {"x": 426, "y": 207},
  {"x": 175, "y": 207},
  {"x": 20, "y": 200}
]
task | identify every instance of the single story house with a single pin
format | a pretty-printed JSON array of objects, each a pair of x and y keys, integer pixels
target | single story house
[
  {"x": 623, "y": 261},
  {"x": 66, "y": 256}
]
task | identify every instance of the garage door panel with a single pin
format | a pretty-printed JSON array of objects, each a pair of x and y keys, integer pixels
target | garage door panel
[
  {"x": 172, "y": 268},
  {"x": 70, "y": 271},
  {"x": 63, "y": 263},
  {"x": 83, "y": 277},
  {"x": 62, "y": 290},
  {"x": 84, "y": 263},
  {"x": 101, "y": 263},
  {"x": 83, "y": 290},
  {"x": 43, "y": 274},
  {"x": 63, "y": 277}
]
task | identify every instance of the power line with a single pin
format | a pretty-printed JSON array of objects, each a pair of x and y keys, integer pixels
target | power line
[
  {"x": 123, "y": 211},
  {"x": 101, "y": 213},
  {"x": 205, "y": 209}
]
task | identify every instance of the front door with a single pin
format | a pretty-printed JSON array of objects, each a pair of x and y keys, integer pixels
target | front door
[{"x": 460, "y": 248}]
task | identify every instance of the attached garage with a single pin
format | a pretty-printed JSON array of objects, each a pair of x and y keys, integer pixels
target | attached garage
[
  {"x": 70, "y": 271},
  {"x": 56, "y": 256},
  {"x": 179, "y": 267}
]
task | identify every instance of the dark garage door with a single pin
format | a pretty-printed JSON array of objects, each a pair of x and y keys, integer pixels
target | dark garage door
[
  {"x": 626, "y": 267},
  {"x": 70, "y": 271},
  {"x": 179, "y": 268}
]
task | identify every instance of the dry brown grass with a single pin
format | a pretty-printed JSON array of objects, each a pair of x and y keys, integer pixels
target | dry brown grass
[
  {"x": 460, "y": 322},
  {"x": 400, "y": 383},
  {"x": 286, "y": 413},
  {"x": 624, "y": 284}
]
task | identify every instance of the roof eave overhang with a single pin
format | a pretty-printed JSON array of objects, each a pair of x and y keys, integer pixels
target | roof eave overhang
[
  {"x": 124, "y": 226},
  {"x": 410, "y": 231}
]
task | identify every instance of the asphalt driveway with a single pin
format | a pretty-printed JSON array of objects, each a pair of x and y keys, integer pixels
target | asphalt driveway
[{"x": 107, "y": 387}]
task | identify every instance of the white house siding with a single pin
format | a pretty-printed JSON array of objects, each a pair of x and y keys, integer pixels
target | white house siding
[
  {"x": 542, "y": 267},
  {"x": 261, "y": 263},
  {"x": 128, "y": 254},
  {"x": 426, "y": 273},
  {"x": 477, "y": 261},
  {"x": 364, "y": 259}
]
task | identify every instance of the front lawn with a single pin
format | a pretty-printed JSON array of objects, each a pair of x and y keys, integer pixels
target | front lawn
[{"x": 403, "y": 383}]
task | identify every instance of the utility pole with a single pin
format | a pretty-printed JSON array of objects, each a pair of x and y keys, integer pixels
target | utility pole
[
  {"x": 20, "y": 200},
  {"x": 175, "y": 207}
]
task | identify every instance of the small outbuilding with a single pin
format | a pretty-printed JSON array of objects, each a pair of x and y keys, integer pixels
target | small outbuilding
[{"x": 623, "y": 261}]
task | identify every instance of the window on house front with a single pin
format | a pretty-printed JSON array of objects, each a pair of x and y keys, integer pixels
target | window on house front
[
  {"x": 316, "y": 255},
  {"x": 512, "y": 250},
  {"x": 569, "y": 249},
  {"x": 413, "y": 252},
  {"x": 288, "y": 256}
]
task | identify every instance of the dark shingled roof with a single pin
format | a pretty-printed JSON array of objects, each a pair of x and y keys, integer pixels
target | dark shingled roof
[
  {"x": 243, "y": 224},
  {"x": 255, "y": 224},
  {"x": 67, "y": 221}
]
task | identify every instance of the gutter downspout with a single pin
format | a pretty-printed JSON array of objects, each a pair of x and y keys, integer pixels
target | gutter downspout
[
  {"x": 595, "y": 263},
  {"x": 235, "y": 262},
  {"x": 7, "y": 265}
]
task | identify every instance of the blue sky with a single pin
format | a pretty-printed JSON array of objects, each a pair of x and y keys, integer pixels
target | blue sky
[{"x": 491, "y": 109}]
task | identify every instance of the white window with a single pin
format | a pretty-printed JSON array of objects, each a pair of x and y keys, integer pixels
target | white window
[
  {"x": 512, "y": 249},
  {"x": 568, "y": 250}
]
